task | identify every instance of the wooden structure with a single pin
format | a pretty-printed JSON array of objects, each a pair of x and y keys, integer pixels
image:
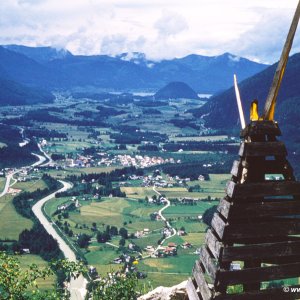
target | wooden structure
[{"x": 257, "y": 225}]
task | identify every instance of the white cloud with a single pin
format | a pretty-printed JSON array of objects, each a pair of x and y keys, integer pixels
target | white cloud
[
  {"x": 161, "y": 29},
  {"x": 170, "y": 23}
]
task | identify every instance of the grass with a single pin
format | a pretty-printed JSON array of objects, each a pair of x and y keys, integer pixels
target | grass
[
  {"x": 27, "y": 260},
  {"x": 180, "y": 264},
  {"x": 2, "y": 183},
  {"x": 116, "y": 211},
  {"x": 189, "y": 210},
  {"x": 212, "y": 138},
  {"x": 30, "y": 186},
  {"x": 138, "y": 192},
  {"x": 101, "y": 256},
  {"x": 77, "y": 171},
  {"x": 148, "y": 240},
  {"x": 11, "y": 223}
]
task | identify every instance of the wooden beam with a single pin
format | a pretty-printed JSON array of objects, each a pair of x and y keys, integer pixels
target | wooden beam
[
  {"x": 213, "y": 243},
  {"x": 191, "y": 291},
  {"x": 236, "y": 168},
  {"x": 262, "y": 149},
  {"x": 272, "y": 96},
  {"x": 261, "y": 128},
  {"x": 281, "y": 227},
  {"x": 267, "y": 294},
  {"x": 267, "y": 208},
  {"x": 261, "y": 251},
  {"x": 208, "y": 263},
  {"x": 259, "y": 274},
  {"x": 201, "y": 282},
  {"x": 224, "y": 208},
  {"x": 262, "y": 189},
  {"x": 218, "y": 225}
]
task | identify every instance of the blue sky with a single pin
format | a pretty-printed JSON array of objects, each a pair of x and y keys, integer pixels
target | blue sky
[{"x": 254, "y": 29}]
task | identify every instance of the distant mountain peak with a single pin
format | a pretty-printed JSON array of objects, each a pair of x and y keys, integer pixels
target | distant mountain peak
[
  {"x": 40, "y": 54},
  {"x": 176, "y": 90}
]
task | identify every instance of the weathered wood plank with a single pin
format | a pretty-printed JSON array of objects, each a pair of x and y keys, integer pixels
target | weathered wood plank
[
  {"x": 262, "y": 149},
  {"x": 259, "y": 274},
  {"x": 208, "y": 263},
  {"x": 191, "y": 291},
  {"x": 218, "y": 225},
  {"x": 281, "y": 227},
  {"x": 201, "y": 282},
  {"x": 214, "y": 245},
  {"x": 280, "y": 207},
  {"x": 224, "y": 208},
  {"x": 261, "y": 239},
  {"x": 267, "y": 188},
  {"x": 261, "y": 128},
  {"x": 261, "y": 251},
  {"x": 236, "y": 168},
  {"x": 268, "y": 294}
]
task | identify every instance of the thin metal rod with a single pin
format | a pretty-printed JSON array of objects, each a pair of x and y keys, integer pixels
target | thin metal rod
[{"x": 239, "y": 102}]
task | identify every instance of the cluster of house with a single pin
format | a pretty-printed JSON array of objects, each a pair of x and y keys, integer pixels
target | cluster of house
[
  {"x": 24, "y": 174},
  {"x": 142, "y": 233},
  {"x": 142, "y": 161},
  {"x": 66, "y": 205}
]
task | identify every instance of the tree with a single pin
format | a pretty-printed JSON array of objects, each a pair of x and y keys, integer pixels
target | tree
[
  {"x": 14, "y": 282},
  {"x": 114, "y": 230},
  {"x": 123, "y": 233},
  {"x": 102, "y": 237},
  {"x": 122, "y": 242},
  {"x": 83, "y": 240}
]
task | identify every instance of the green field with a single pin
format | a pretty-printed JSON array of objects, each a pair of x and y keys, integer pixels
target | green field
[
  {"x": 29, "y": 259},
  {"x": 11, "y": 223},
  {"x": 212, "y": 138},
  {"x": 30, "y": 186},
  {"x": 116, "y": 211},
  {"x": 78, "y": 171},
  {"x": 2, "y": 183}
]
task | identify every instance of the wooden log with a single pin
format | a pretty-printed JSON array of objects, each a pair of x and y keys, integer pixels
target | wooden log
[
  {"x": 201, "y": 282},
  {"x": 261, "y": 128},
  {"x": 261, "y": 251},
  {"x": 244, "y": 240},
  {"x": 262, "y": 149},
  {"x": 236, "y": 168},
  {"x": 218, "y": 225},
  {"x": 259, "y": 274},
  {"x": 262, "y": 189},
  {"x": 191, "y": 291},
  {"x": 224, "y": 208},
  {"x": 280, "y": 207},
  {"x": 208, "y": 263},
  {"x": 267, "y": 294},
  {"x": 281, "y": 227},
  {"x": 213, "y": 243}
]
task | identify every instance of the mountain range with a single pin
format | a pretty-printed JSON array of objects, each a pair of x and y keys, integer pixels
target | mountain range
[
  {"x": 46, "y": 67},
  {"x": 221, "y": 112}
]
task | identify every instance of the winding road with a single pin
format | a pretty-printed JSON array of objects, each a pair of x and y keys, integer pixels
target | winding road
[
  {"x": 164, "y": 219},
  {"x": 77, "y": 287}
]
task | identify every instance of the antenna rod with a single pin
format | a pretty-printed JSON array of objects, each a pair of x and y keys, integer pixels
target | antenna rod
[
  {"x": 272, "y": 96},
  {"x": 239, "y": 102}
]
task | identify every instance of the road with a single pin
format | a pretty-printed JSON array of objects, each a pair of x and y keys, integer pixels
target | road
[
  {"x": 164, "y": 219},
  {"x": 77, "y": 287},
  {"x": 9, "y": 177},
  {"x": 50, "y": 161}
]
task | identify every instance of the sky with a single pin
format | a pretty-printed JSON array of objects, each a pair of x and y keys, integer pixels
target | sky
[{"x": 162, "y": 29}]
